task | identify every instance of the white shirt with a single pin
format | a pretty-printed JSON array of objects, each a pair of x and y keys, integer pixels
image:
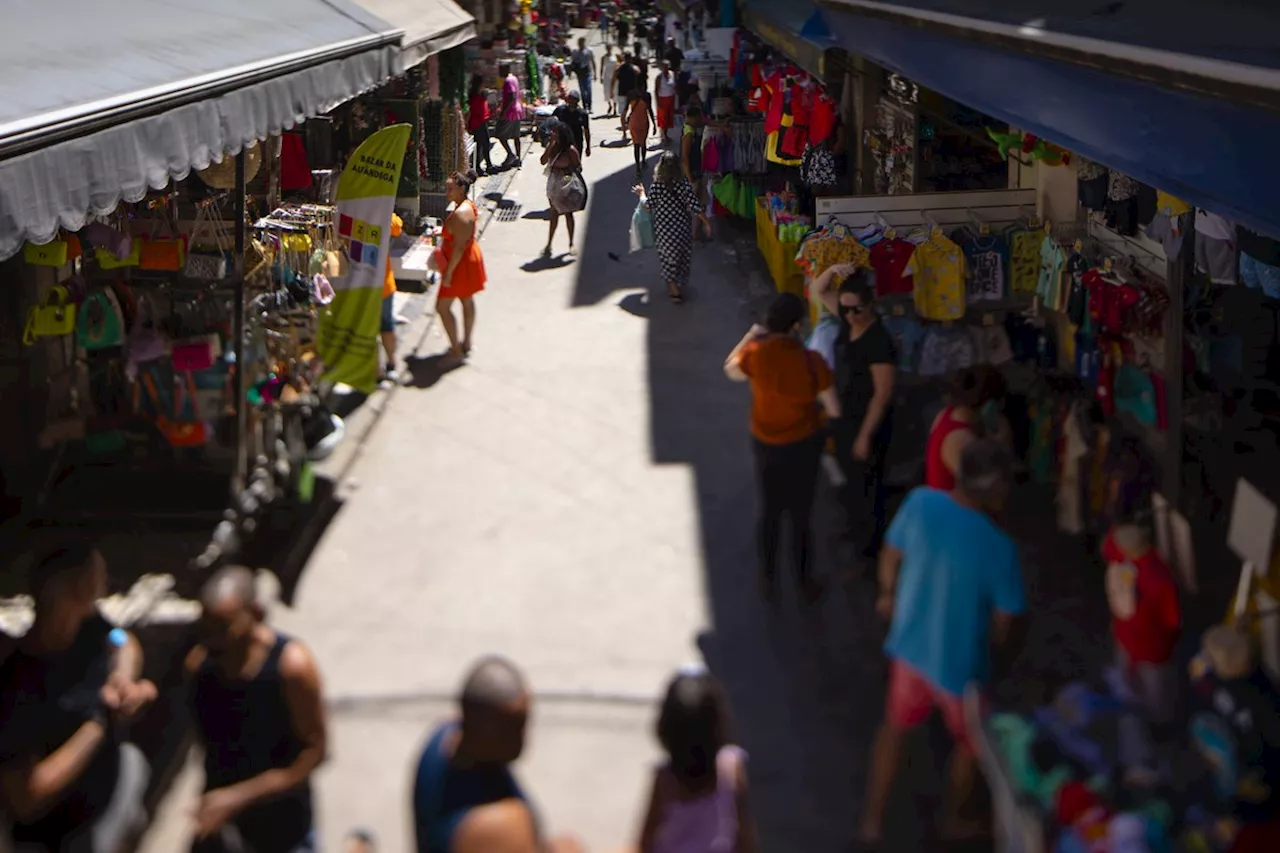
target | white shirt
[
  {"x": 1214, "y": 226},
  {"x": 667, "y": 85}
]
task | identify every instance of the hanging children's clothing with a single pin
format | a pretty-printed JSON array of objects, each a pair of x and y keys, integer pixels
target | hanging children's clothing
[
  {"x": 829, "y": 246},
  {"x": 1052, "y": 262},
  {"x": 1024, "y": 258},
  {"x": 889, "y": 258},
  {"x": 987, "y": 257},
  {"x": 937, "y": 267}
]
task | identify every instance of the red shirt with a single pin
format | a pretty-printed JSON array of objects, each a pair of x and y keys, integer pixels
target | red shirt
[
  {"x": 889, "y": 259},
  {"x": 477, "y": 112},
  {"x": 1144, "y": 590},
  {"x": 936, "y": 473},
  {"x": 1108, "y": 302},
  {"x": 775, "y": 86},
  {"x": 822, "y": 120}
]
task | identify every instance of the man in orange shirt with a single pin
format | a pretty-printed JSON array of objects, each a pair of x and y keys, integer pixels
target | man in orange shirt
[
  {"x": 791, "y": 386},
  {"x": 388, "y": 328}
]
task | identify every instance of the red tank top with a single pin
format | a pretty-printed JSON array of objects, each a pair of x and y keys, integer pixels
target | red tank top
[{"x": 936, "y": 473}]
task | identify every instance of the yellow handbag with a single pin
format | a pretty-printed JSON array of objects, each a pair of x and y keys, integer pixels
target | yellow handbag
[
  {"x": 54, "y": 317},
  {"x": 108, "y": 261},
  {"x": 55, "y": 253}
]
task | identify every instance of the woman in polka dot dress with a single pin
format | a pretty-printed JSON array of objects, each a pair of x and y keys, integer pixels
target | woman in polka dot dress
[{"x": 672, "y": 202}]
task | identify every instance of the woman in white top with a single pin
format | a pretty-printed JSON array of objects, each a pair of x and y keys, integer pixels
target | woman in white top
[
  {"x": 665, "y": 85},
  {"x": 608, "y": 65}
]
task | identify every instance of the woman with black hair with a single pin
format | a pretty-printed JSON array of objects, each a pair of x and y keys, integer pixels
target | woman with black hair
[
  {"x": 478, "y": 123},
  {"x": 698, "y": 803},
  {"x": 791, "y": 387},
  {"x": 865, "y": 375},
  {"x": 564, "y": 165},
  {"x": 462, "y": 273}
]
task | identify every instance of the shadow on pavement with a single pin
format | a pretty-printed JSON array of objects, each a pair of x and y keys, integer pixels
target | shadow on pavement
[
  {"x": 806, "y": 686},
  {"x": 544, "y": 215},
  {"x": 554, "y": 262},
  {"x": 426, "y": 371}
]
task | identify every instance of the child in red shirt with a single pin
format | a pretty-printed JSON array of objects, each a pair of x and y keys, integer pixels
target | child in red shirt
[{"x": 1146, "y": 617}]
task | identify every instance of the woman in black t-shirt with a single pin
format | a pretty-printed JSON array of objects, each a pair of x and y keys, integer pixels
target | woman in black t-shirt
[{"x": 865, "y": 374}]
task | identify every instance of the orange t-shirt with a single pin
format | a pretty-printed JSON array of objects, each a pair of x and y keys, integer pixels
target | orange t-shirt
[
  {"x": 785, "y": 379},
  {"x": 389, "y": 283}
]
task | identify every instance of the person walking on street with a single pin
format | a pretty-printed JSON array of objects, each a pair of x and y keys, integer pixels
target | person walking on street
[
  {"x": 623, "y": 32},
  {"x": 387, "y": 322},
  {"x": 478, "y": 124},
  {"x": 665, "y": 88},
  {"x": 608, "y": 68},
  {"x": 577, "y": 119},
  {"x": 564, "y": 164},
  {"x": 465, "y": 797},
  {"x": 626, "y": 81},
  {"x": 865, "y": 375},
  {"x": 950, "y": 587},
  {"x": 791, "y": 387},
  {"x": 691, "y": 161},
  {"x": 672, "y": 202},
  {"x": 510, "y": 115},
  {"x": 674, "y": 55},
  {"x": 698, "y": 803},
  {"x": 583, "y": 63},
  {"x": 68, "y": 781},
  {"x": 639, "y": 120},
  {"x": 259, "y": 713},
  {"x": 464, "y": 274}
]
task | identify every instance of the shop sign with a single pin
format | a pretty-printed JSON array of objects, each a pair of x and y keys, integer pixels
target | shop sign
[{"x": 791, "y": 44}]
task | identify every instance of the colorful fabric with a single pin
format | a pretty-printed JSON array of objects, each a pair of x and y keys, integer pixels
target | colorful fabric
[
  {"x": 937, "y": 267},
  {"x": 1024, "y": 260},
  {"x": 822, "y": 251}
]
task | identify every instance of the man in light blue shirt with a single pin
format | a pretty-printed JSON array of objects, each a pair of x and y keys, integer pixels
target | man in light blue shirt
[{"x": 951, "y": 583}]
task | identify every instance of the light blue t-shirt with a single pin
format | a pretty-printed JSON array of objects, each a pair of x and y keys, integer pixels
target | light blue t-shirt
[{"x": 957, "y": 568}]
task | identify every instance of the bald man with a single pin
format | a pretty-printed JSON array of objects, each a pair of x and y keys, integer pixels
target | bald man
[
  {"x": 465, "y": 798},
  {"x": 257, "y": 702}
]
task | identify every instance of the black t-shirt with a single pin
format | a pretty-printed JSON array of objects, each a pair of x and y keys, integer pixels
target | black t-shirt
[
  {"x": 576, "y": 119},
  {"x": 675, "y": 56},
  {"x": 627, "y": 73},
  {"x": 43, "y": 702},
  {"x": 853, "y": 374},
  {"x": 1258, "y": 247}
]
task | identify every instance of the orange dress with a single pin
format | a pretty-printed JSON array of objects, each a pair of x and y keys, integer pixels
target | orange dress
[{"x": 469, "y": 278}]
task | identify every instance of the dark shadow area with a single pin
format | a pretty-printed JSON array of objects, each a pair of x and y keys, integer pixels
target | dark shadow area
[
  {"x": 426, "y": 371},
  {"x": 636, "y": 304},
  {"x": 343, "y": 405},
  {"x": 614, "y": 143},
  {"x": 544, "y": 215},
  {"x": 541, "y": 264}
]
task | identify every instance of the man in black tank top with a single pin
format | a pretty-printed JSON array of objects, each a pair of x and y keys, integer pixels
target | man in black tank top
[{"x": 256, "y": 699}]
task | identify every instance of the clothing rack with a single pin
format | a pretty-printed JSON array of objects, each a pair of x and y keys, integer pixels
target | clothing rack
[
  {"x": 941, "y": 209},
  {"x": 1146, "y": 254}
]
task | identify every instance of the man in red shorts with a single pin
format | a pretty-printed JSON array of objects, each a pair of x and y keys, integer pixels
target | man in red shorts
[{"x": 951, "y": 583}]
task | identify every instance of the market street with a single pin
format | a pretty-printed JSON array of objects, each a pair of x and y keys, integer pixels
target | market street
[{"x": 578, "y": 497}]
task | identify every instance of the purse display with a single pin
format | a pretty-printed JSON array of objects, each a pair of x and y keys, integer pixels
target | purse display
[
  {"x": 55, "y": 253},
  {"x": 54, "y": 317},
  {"x": 99, "y": 321},
  {"x": 207, "y": 260}
]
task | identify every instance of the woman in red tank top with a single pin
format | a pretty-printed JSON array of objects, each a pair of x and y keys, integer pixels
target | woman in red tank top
[{"x": 972, "y": 391}]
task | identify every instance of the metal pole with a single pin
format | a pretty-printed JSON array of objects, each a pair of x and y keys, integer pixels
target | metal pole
[
  {"x": 238, "y": 330},
  {"x": 1179, "y": 271}
]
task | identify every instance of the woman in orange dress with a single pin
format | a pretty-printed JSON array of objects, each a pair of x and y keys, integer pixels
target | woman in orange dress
[{"x": 463, "y": 275}]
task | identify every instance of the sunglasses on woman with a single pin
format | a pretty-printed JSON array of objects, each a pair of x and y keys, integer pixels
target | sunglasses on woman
[{"x": 852, "y": 309}]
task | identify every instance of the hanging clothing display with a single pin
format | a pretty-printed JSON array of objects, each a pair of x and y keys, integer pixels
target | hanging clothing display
[{"x": 937, "y": 268}]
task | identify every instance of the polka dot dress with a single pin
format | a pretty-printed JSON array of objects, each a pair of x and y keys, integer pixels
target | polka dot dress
[{"x": 671, "y": 208}]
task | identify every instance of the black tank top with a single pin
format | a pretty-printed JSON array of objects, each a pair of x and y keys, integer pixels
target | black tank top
[{"x": 247, "y": 730}]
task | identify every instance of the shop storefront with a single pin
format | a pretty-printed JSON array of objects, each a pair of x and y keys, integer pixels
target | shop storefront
[{"x": 1122, "y": 289}]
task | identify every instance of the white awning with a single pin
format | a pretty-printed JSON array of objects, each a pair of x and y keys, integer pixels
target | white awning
[
  {"x": 430, "y": 26},
  {"x": 112, "y": 99}
]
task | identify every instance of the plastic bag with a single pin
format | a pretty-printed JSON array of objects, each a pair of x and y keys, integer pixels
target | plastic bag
[
  {"x": 822, "y": 339},
  {"x": 641, "y": 228}
]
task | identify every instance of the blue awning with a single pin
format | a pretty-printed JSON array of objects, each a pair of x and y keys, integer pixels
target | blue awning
[
  {"x": 1212, "y": 153},
  {"x": 796, "y": 28}
]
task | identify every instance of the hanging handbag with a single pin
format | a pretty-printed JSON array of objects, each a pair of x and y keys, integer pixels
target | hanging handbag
[
  {"x": 196, "y": 353},
  {"x": 163, "y": 254},
  {"x": 206, "y": 260},
  {"x": 55, "y": 253},
  {"x": 108, "y": 260},
  {"x": 146, "y": 342},
  {"x": 53, "y": 317},
  {"x": 99, "y": 321}
]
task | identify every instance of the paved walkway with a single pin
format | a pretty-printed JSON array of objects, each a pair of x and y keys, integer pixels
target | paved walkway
[{"x": 578, "y": 497}]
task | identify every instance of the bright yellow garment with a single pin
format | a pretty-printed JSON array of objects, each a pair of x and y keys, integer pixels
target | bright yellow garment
[
  {"x": 1024, "y": 260},
  {"x": 938, "y": 270},
  {"x": 1170, "y": 205},
  {"x": 771, "y": 154},
  {"x": 820, "y": 253}
]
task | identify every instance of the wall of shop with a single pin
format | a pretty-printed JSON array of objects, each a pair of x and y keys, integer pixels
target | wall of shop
[{"x": 1055, "y": 186}]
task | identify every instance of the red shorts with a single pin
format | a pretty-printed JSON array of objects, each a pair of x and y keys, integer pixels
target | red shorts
[
  {"x": 666, "y": 112},
  {"x": 912, "y": 698}
]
